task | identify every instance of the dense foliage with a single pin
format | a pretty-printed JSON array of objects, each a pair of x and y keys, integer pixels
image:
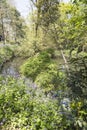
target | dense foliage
[
  {"x": 11, "y": 23},
  {"x": 49, "y": 91},
  {"x": 6, "y": 53},
  {"x": 27, "y": 107}
]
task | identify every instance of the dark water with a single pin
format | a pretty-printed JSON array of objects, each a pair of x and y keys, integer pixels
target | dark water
[{"x": 11, "y": 69}]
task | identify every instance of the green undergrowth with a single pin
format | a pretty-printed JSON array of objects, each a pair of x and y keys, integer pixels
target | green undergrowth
[
  {"x": 43, "y": 71},
  {"x": 23, "y": 107},
  {"x": 28, "y": 108},
  {"x": 35, "y": 65},
  {"x": 6, "y": 52}
]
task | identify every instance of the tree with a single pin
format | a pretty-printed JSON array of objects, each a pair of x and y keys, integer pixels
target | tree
[
  {"x": 46, "y": 12},
  {"x": 17, "y": 25},
  {"x": 11, "y": 23},
  {"x": 3, "y": 16}
]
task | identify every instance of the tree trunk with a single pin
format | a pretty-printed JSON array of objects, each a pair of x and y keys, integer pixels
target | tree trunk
[
  {"x": 3, "y": 33},
  {"x": 65, "y": 61}
]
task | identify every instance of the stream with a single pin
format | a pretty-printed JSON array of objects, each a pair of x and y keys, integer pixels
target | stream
[{"x": 11, "y": 68}]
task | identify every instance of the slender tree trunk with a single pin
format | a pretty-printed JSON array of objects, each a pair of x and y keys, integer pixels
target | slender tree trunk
[
  {"x": 3, "y": 32},
  {"x": 65, "y": 61},
  {"x": 38, "y": 19}
]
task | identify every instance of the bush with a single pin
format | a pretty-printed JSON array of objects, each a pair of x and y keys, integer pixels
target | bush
[
  {"x": 6, "y": 52},
  {"x": 35, "y": 65},
  {"x": 43, "y": 71},
  {"x": 77, "y": 79},
  {"x": 23, "y": 108},
  {"x": 49, "y": 78}
]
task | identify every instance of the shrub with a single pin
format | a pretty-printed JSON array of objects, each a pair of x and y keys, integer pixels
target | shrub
[
  {"x": 23, "y": 107},
  {"x": 36, "y": 65}
]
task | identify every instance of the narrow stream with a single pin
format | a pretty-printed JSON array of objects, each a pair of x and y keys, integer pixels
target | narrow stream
[{"x": 11, "y": 69}]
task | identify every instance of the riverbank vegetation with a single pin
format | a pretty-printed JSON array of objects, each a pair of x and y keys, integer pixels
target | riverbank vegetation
[{"x": 50, "y": 90}]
